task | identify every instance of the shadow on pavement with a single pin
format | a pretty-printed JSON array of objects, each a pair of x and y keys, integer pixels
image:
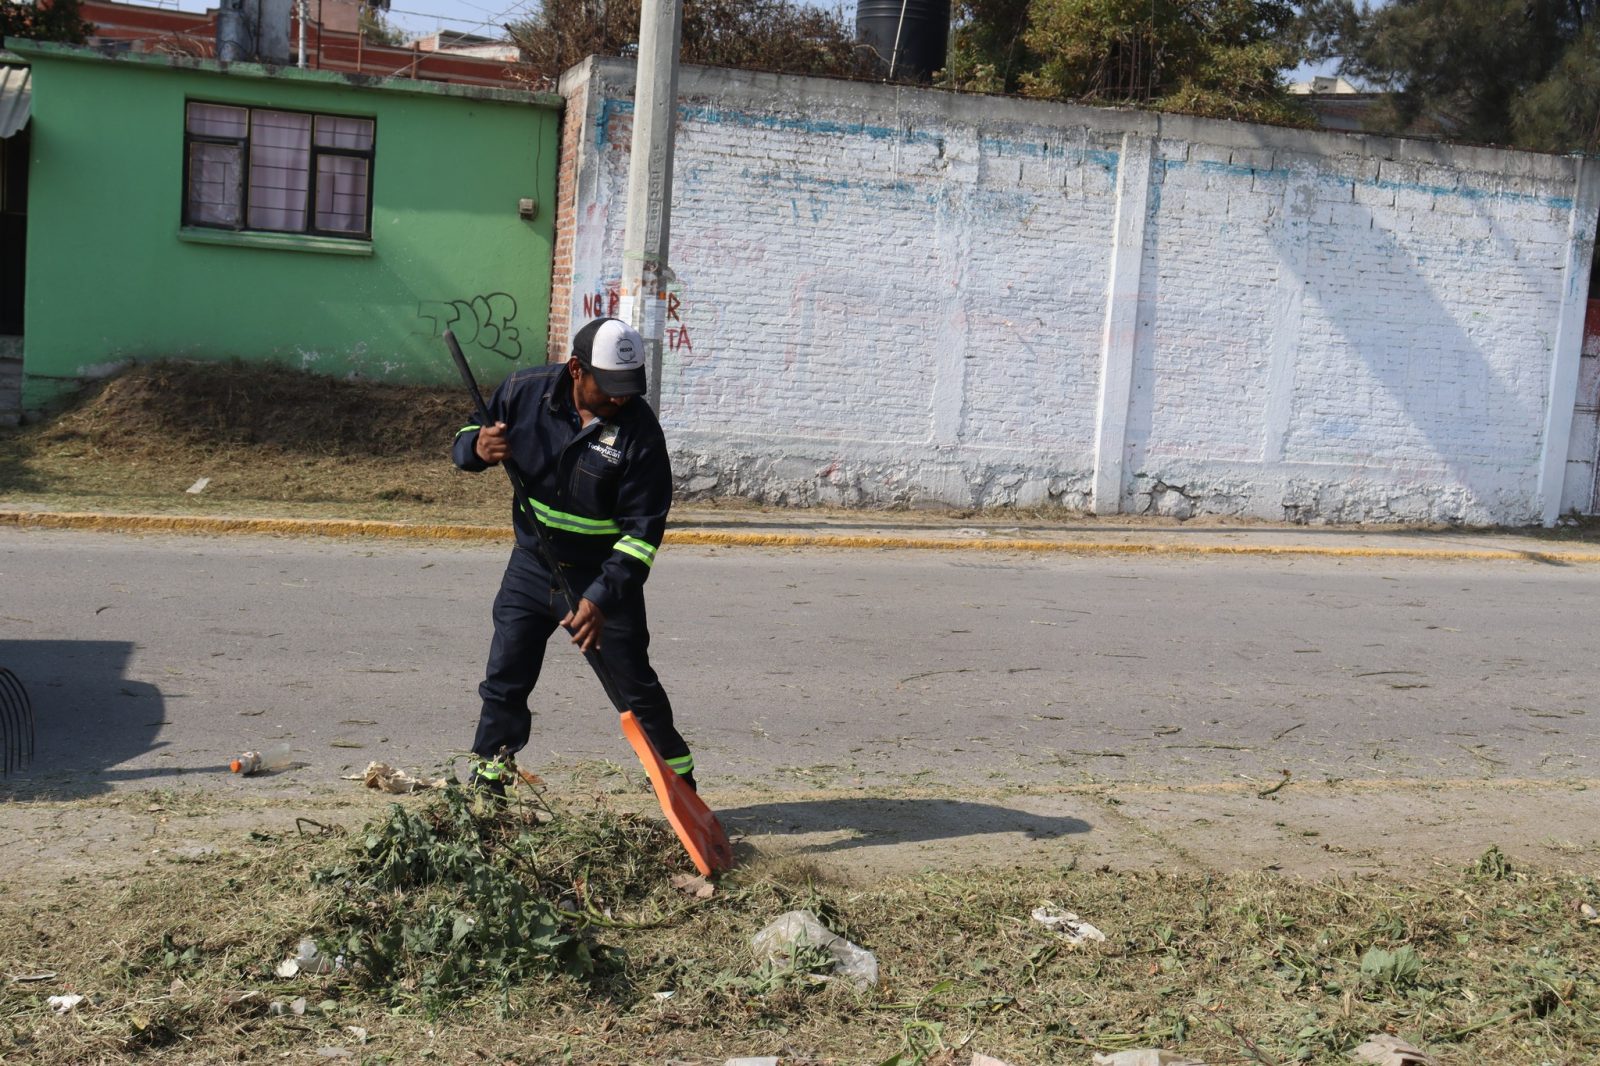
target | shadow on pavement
[
  {"x": 874, "y": 822},
  {"x": 88, "y": 718}
]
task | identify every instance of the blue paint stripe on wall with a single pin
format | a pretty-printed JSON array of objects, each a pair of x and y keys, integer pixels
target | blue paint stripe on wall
[
  {"x": 1102, "y": 157},
  {"x": 1035, "y": 149},
  {"x": 718, "y": 116},
  {"x": 1559, "y": 203},
  {"x": 796, "y": 180}
]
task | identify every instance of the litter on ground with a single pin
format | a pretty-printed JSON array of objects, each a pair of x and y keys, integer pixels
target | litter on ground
[
  {"x": 789, "y": 932},
  {"x": 385, "y": 778},
  {"x": 1385, "y": 1050},
  {"x": 1146, "y": 1057},
  {"x": 1069, "y": 925},
  {"x": 65, "y": 1004}
]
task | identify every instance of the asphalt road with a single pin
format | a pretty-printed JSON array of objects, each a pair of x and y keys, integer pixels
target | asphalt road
[{"x": 151, "y": 660}]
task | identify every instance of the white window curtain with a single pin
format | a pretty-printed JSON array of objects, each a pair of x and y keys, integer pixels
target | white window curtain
[
  {"x": 334, "y": 131},
  {"x": 216, "y": 192},
  {"x": 280, "y": 170},
  {"x": 304, "y": 172},
  {"x": 342, "y": 180},
  {"x": 341, "y": 194},
  {"x": 218, "y": 120}
]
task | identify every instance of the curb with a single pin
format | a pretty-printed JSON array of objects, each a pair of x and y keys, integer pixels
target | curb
[
  {"x": 352, "y": 528},
  {"x": 203, "y": 524},
  {"x": 1084, "y": 547}
]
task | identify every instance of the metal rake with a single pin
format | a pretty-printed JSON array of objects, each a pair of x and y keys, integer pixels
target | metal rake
[{"x": 16, "y": 724}]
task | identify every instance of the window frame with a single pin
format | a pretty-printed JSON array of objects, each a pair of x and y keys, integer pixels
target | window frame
[{"x": 316, "y": 152}]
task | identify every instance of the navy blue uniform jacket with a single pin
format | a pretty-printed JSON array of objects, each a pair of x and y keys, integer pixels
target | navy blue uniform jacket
[{"x": 602, "y": 491}]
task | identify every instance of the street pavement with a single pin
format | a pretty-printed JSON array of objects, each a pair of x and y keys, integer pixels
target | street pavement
[{"x": 880, "y": 691}]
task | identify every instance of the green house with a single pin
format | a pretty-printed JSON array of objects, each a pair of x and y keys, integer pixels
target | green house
[{"x": 181, "y": 207}]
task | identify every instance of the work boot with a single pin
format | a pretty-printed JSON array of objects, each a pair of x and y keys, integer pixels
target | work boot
[{"x": 492, "y": 775}]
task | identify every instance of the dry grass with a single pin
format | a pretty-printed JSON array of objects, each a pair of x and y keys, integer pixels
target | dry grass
[
  {"x": 1485, "y": 965},
  {"x": 271, "y": 440}
]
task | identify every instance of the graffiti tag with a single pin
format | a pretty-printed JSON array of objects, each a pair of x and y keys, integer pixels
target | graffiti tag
[
  {"x": 606, "y": 303},
  {"x": 486, "y": 321}
]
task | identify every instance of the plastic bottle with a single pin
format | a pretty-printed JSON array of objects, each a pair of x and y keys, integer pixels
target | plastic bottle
[{"x": 274, "y": 756}]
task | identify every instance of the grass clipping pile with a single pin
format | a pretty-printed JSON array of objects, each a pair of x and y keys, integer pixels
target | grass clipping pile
[
  {"x": 454, "y": 931},
  {"x": 256, "y": 433}
]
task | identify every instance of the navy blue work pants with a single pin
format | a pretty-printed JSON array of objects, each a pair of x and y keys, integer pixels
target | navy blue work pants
[{"x": 527, "y": 610}]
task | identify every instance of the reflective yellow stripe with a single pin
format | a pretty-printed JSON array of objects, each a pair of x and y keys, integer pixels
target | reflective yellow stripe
[
  {"x": 641, "y": 550},
  {"x": 683, "y": 764},
  {"x": 572, "y": 523},
  {"x": 467, "y": 429}
]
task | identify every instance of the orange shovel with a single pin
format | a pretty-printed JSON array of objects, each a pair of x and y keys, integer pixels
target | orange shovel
[{"x": 697, "y": 828}]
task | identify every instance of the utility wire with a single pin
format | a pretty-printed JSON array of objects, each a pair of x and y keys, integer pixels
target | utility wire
[
  {"x": 441, "y": 18},
  {"x": 494, "y": 20}
]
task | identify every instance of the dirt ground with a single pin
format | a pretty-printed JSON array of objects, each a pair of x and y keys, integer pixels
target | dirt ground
[{"x": 1401, "y": 830}]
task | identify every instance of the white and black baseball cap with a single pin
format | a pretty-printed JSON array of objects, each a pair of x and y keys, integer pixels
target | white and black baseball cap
[{"x": 613, "y": 352}]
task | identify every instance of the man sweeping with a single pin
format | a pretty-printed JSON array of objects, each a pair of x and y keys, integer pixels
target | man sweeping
[{"x": 594, "y": 464}]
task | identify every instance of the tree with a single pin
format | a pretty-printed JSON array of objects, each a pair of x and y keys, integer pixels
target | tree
[
  {"x": 1222, "y": 58},
  {"x": 1517, "y": 72},
  {"x": 775, "y": 35},
  {"x": 56, "y": 20},
  {"x": 988, "y": 53},
  {"x": 377, "y": 28}
]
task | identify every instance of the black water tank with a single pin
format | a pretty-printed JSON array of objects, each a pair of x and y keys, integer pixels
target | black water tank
[{"x": 922, "y": 28}]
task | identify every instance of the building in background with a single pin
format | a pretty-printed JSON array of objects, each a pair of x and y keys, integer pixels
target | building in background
[
  {"x": 469, "y": 44},
  {"x": 1337, "y": 103},
  {"x": 332, "y": 39},
  {"x": 183, "y": 207}
]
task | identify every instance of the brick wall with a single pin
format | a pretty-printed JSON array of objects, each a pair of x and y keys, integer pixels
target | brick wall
[
  {"x": 573, "y": 122},
  {"x": 889, "y": 296}
]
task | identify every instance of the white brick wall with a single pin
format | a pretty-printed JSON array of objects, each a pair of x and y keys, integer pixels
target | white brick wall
[{"x": 889, "y": 296}]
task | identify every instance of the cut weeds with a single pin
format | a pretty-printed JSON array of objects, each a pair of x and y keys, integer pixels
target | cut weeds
[{"x": 553, "y": 933}]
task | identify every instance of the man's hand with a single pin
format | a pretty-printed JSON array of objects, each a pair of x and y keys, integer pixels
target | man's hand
[
  {"x": 585, "y": 625},
  {"x": 492, "y": 445}
]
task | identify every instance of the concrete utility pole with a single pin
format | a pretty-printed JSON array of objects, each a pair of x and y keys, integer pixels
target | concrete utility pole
[{"x": 645, "y": 274}]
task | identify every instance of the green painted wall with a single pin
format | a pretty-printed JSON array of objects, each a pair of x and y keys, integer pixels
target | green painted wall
[{"x": 111, "y": 279}]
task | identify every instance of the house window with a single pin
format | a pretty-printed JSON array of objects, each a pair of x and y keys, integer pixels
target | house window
[{"x": 251, "y": 168}]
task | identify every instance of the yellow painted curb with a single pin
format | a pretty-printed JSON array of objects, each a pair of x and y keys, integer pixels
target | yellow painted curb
[
  {"x": 315, "y": 527},
  {"x": 1083, "y": 547},
  {"x": 351, "y": 528}
]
